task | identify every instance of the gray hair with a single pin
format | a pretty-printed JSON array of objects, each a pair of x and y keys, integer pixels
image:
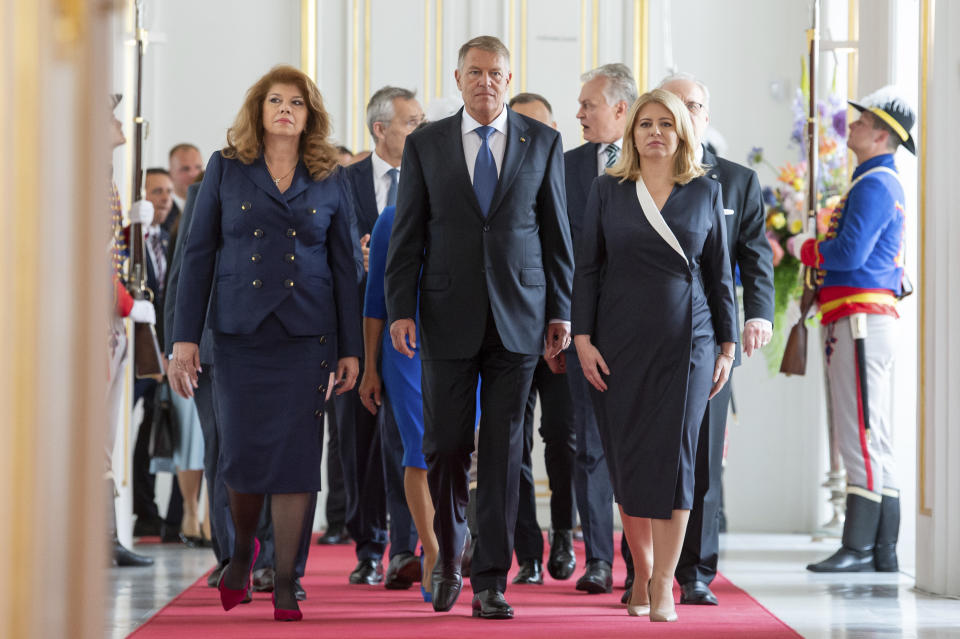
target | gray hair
[
  {"x": 620, "y": 83},
  {"x": 490, "y": 44},
  {"x": 380, "y": 107},
  {"x": 689, "y": 77}
]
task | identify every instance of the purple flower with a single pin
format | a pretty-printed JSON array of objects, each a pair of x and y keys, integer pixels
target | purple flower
[
  {"x": 769, "y": 197},
  {"x": 840, "y": 123},
  {"x": 755, "y": 156}
]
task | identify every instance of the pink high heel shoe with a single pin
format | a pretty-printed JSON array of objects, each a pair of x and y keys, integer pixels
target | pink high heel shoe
[
  {"x": 229, "y": 598},
  {"x": 283, "y": 614}
]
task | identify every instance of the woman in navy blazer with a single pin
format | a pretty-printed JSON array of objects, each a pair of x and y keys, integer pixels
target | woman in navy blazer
[
  {"x": 652, "y": 304},
  {"x": 273, "y": 227}
]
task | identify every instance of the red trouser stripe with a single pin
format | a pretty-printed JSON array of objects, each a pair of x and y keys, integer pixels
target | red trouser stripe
[{"x": 863, "y": 430}]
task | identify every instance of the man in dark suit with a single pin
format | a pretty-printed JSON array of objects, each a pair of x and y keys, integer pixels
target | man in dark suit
[
  {"x": 186, "y": 164},
  {"x": 556, "y": 428},
  {"x": 749, "y": 249},
  {"x": 605, "y": 98},
  {"x": 481, "y": 211},
  {"x": 370, "y": 447}
]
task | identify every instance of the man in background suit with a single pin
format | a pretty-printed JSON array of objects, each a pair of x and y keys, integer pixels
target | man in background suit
[
  {"x": 556, "y": 428},
  {"x": 750, "y": 250},
  {"x": 481, "y": 211},
  {"x": 186, "y": 164},
  {"x": 605, "y": 98},
  {"x": 371, "y": 449}
]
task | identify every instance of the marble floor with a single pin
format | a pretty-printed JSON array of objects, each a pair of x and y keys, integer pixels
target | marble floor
[{"x": 769, "y": 567}]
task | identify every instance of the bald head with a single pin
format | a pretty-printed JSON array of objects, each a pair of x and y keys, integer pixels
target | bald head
[{"x": 694, "y": 95}]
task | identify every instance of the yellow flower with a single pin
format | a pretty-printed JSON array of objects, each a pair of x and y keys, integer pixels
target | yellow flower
[
  {"x": 778, "y": 220},
  {"x": 796, "y": 226},
  {"x": 798, "y": 184}
]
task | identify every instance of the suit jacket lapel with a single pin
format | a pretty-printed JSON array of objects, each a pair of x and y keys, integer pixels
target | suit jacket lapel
[
  {"x": 257, "y": 173},
  {"x": 588, "y": 169},
  {"x": 517, "y": 145},
  {"x": 454, "y": 141},
  {"x": 367, "y": 212},
  {"x": 301, "y": 181}
]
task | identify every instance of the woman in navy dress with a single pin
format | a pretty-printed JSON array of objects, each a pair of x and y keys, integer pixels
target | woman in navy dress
[
  {"x": 652, "y": 302},
  {"x": 273, "y": 237}
]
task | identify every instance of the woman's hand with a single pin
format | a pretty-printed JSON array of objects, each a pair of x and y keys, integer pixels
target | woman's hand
[
  {"x": 721, "y": 370},
  {"x": 347, "y": 370},
  {"x": 184, "y": 368},
  {"x": 591, "y": 361},
  {"x": 370, "y": 390}
]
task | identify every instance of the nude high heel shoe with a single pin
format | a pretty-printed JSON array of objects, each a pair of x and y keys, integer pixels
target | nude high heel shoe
[
  {"x": 657, "y": 613},
  {"x": 640, "y": 609}
]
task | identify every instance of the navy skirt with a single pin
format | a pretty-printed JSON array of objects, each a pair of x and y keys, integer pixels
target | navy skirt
[{"x": 270, "y": 389}]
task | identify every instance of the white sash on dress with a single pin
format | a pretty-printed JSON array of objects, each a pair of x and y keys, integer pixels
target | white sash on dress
[{"x": 656, "y": 220}]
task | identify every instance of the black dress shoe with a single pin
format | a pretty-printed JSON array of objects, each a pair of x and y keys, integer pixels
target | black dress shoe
[
  {"x": 368, "y": 571},
  {"x": 298, "y": 590},
  {"x": 625, "y": 597},
  {"x": 214, "y": 577},
  {"x": 263, "y": 579},
  {"x": 124, "y": 557},
  {"x": 403, "y": 571},
  {"x": 490, "y": 604},
  {"x": 697, "y": 593},
  {"x": 445, "y": 589},
  {"x": 144, "y": 527},
  {"x": 562, "y": 561},
  {"x": 531, "y": 572},
  {"x": 597, "y": 579},
  {"x": 334, "y": 535}
]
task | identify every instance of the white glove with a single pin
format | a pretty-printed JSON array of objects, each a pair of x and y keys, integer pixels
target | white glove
[
  {"x": 795, "y": 243},
  {"x": 142, "y": 212},
  {"x": 143, "y": 312}
]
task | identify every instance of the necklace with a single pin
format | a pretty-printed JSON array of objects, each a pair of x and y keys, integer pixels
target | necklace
[{"x": 278, "y": 180}]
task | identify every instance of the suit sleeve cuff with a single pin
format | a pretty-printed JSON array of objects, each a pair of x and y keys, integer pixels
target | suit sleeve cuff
[{"x": 765, "y": 323}]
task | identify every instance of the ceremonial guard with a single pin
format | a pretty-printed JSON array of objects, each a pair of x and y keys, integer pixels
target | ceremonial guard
[{"x": 861, "y": 271}]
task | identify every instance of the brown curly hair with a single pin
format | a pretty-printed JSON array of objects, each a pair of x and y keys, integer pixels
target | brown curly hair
[{"x": 245, "y": 137}]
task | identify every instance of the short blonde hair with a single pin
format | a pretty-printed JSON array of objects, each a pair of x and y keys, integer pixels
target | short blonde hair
[
  {"x": 245, "y": 137},
  {"x": 685, "y": 166}
]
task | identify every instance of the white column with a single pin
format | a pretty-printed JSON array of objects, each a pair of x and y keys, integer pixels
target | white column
[{"x": 938, "y": 522}]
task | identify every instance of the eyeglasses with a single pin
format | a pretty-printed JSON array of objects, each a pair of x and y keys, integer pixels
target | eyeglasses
[{"x": 694, "y": 107}]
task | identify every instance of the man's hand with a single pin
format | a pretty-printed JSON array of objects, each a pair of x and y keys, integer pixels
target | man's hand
[
  {"x": 756, "y": 335},
  {"x": 347, "y": 370},
  {"x": 141, "y": 212},
  {"x": 403, "y": 331},
  {"x": 365, "y": 249},
  {"x": 558, "y": 364},
  {"x": 557, "y": 339},
  {"x": 143, "y": 312}
]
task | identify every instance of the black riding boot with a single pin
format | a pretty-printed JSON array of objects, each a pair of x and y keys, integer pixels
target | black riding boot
[
  {"x": 885, "y": 551},
  {"x": 120, "y": 554},
  {"x": 859, "y": 537}
]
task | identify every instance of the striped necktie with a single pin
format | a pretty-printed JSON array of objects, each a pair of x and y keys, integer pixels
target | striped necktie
[{"x": 613, "y": 152}]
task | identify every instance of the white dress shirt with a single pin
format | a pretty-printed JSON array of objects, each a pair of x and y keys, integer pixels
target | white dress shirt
[
  {"x": 471, "y": 141},
  {"x": 381, "y": 180},
  {"x": 179, "y": 201},
  {"x": 602, "y": 155}
]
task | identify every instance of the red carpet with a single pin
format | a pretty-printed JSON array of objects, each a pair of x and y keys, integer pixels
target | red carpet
[{"x": 555, "y": 610}]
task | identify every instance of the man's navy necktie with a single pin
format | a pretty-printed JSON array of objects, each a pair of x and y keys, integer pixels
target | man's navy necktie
[
  {"x": 484, "y": 170},
  {"x": 392, "y": 191}
]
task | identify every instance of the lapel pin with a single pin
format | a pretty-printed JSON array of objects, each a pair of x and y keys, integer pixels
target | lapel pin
[{"x": 523, "y": 139}]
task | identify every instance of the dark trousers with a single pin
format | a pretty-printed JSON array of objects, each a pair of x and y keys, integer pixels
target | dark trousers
[
  {"x": 403, "y": 534},
  {"x": 449, "y": 402},
  {"x": 336, "y": 506},
  {"x": 701, "y": 544},
  {"x": 221, "y": 524},
  {"x": 591, "y": 479},
  {"x": 144, "y": 482},
  {"x": 362, "y": 465},
  {"x": 557, "y": 430}
]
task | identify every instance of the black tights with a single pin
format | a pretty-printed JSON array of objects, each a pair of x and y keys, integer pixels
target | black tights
[{"x": 287, "y": 511}]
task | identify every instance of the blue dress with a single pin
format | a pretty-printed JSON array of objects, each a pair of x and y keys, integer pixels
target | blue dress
[{"x": 400, "y": 374}]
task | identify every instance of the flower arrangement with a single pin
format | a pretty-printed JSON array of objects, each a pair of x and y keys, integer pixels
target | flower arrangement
[{"x": 786, "y": 203}]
